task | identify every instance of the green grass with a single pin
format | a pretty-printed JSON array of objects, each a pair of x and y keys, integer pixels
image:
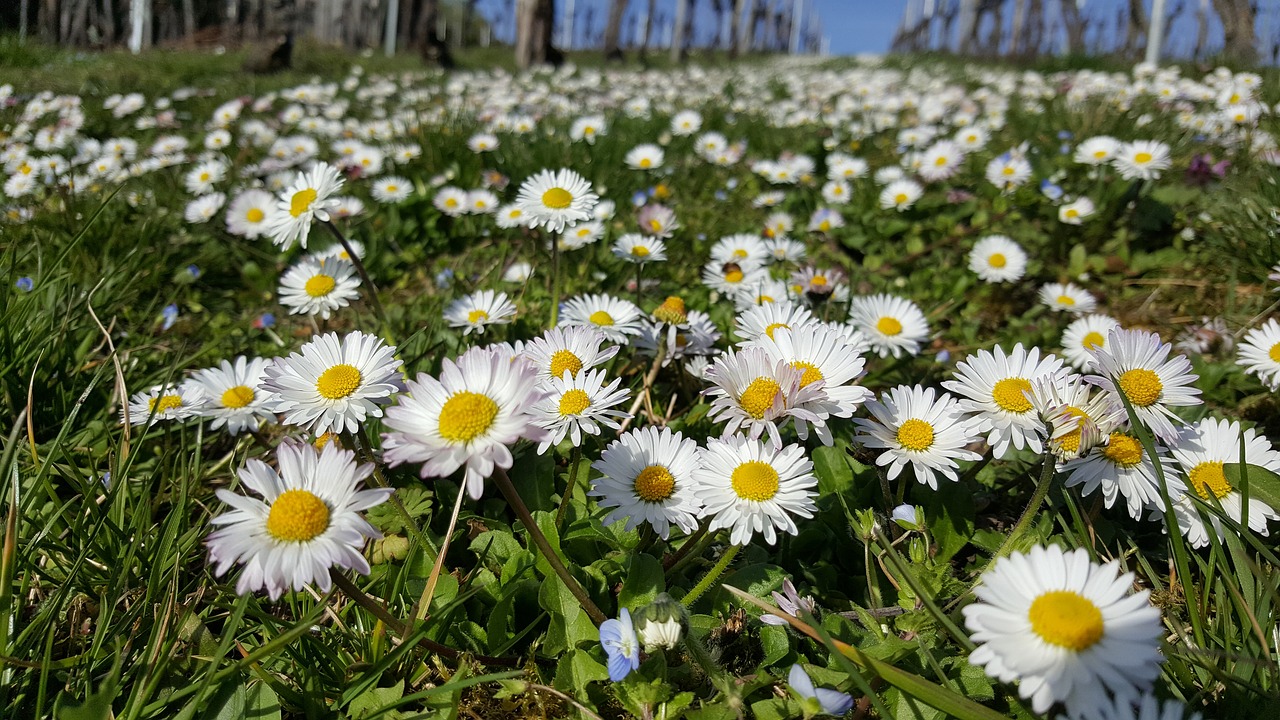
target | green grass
[{"x": 108, "y": 606}]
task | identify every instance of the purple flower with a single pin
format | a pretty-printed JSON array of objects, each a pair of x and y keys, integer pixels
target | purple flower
[
  {"x": 790, "y": 603},
  {"x": 1203, "y": 170}
]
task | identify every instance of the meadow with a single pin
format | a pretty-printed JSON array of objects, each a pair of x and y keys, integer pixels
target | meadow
[{"x": 878, "y": 388}]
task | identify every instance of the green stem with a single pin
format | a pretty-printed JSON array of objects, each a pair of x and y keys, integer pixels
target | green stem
[
  {"x": 424, "y": 603},
  {"x": 575, "y": 458},
  {"x": 535, "y": 533},
  {"x": 364, "y": 278},
  {"x": 364, "y": 449},
  {"x": 1028, "y": 515},
  {"x": 555, "y": 281},
  {"x": 676, "y": 560},
  {"x": 712, "y": 575},
  {"x": 639, "y": 275}
]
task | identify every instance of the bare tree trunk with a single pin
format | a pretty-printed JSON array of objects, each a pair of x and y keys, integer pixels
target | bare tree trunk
[
  {"x": 648, "y": 27},
  {"x": 1239, "y": 42},
  {"x": 613, "y": 30},
  {"x": 1019, "y": 24},
  {"x": 1076, "y": 26},
  {"x": 968, "y": 26},
  {"x": 677, "y": 31},
  {"x": 735, "y": 27},
  {"x": 1135, "y": 35},
  {"x": 188, "y": 18},
  {"x": 534, "y": 23},
  {"x": 432, "y": 48},
  {"x": 1035, "y": 31}
]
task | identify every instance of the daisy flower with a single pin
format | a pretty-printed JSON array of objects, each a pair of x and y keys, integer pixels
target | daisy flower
[
  {"x": 307, "y": 521},
  {"x": 1142, "y": 160},
  {"x": 482, "y": 142},
  {"x": 1067, "y": 297},
  {"x": 825, "y": 356},
  {"x": 234, "y": 394},
  {"x": 1074, "y": 213},
  {"x": 940, "y": 161},
  {"x": 201, "y": 179},
  {"x": 657, "y": 220},
  {"x": 556, "y": 200},
  {"x": 645, "y": 157},
  {"x": 1085, "y": 335},
  {"x": 452, "y": 201},
  {"x": 575, "y": 404},
  {"x": 391, "y": 189},
  {"x": 1259, "y": 354},
  {"x": 732, "y": 278},
  {"x": 164, "y": 403},
  {"x": 762, "y": 320},
  {"x": 755, "y": 392},
  {"x": 996, "y": 387},
  {"x": 913, "y": 427},
  {"x": 588, "y": 128},
  {"x": 466, "y": 418},
  {"x": 1137, "y": 363},
  {"x": 997, "y": 259},
  {"x": 581, "y": 235},
  {"x": 1122, "y": 467},
  {"x": 482, "y": 202},
  {"x": 1206, "y": 447},
  {"x": 1078, "y": 415},
  {"x": 1008, "y": 171},
  {"x": 309, "y": 198},
  {"x": 1096, "y": 150},
  {"x": 480, "y": 309},
  {"x": 685, "y": 123},
  {"x": 782, "y": 250},
  {"x": 900, "y": 195},
  {"x": 618, "y": 319},
  {"x": 318, "y": 286},
  {"x": 836, "y": 192},
  {"x": 334, "y": 384},
  {"x": 754, "y": 487},
  {"x": 1068, "y": 630},
  {"x": 568, "y": 349},
  {"x": 647, "y": 477},
  {"x": 204, "y": 208},
  {"x": 892, "y": 325},
  {"x": 247, "y": 213},
  {"x": 1147, "y": 707},
  {"x": 740, "y": 248},
  {"x": 636, "y": 248},
  {"x": 779, "y": 224}
]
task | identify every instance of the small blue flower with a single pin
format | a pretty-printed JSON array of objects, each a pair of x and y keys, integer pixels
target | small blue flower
[
  {"x": 1064, "y": 149},
  {"x": 264, "y": 321},
  {"x": 194, "y": 270},
  {"x": 639, "y": 199},
  {"x": 25, "y": 284},
  {"x": 722, "y": 195},
  {"x": 1050, "y": 190},
  {"x": 942, "y": 356},
  {"x": 833, "y": 702},
  {"x": 1065, "y": 135},
  {"x": 731, "y": 183},
  {"x": 170, "y": 315},
  {"x": 618, "y": 638},
  {"x": 444, "y": 278}
]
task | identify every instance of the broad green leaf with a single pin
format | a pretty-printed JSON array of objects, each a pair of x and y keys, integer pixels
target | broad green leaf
[
  {"x": 534, "y": 478},
  {"x": 575, "y": 670},
  {"x": 775, "y": 642},
  {"x": 831, "y": 467},
  {"x": 375, "y": 699},
  {"x": 642, "y": 582},
  {"x": 226, "y": 703},
  {"x": 261, "y": 703},
  {"x": 1264, "y": 485},
  {"x": 950, "y": 516}
]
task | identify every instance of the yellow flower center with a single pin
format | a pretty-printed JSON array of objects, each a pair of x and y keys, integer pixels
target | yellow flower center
[
  {"x": 671, "y": 311},
  {"x": 254, "y": 215},
  {"x": 1011, "y": 394},
  {"x": 562, "y": 360},
  {"x": 1274, "y": 354},
  {"x": 755, "y": 480},
  {"x": 392, "y": 187},
  {"x": 811, "y": 372},
  {"x": 655, "y": 484},
  {"x": 824, "y": 226},
  {"x": 1142, "y": 158},
  {"x": 997, "y": 260},
  {"x": 1208, "y": 479},
  {"x": 889, "y": 326},
  {"x": 237, "y": 397},
  {"x": 1066, "y": 300},
  {"x": 1066, "y": 619},
  {"x": 601, "y": 317},
  {"x": 819, "y": 280},
  {"x": 655, "y": 225},
  {"x": 476, "y": 316},
  {"x": 204, "y": 177},
  {"x": 1073, "y": 213},
  {"x": 557, "y": 198},
  {"x": 301, "y": 201},
  {"x": 740, "y": 253},
  {"x": 769, "y": 298},
  {"x": 915, "y": 434},
  {"x": 574, "y": 402},
  {"x": 733, "y": 276},
  {"x": 466, "y": 415},
  {"x": 164, "y": 404},
  {"x": 639, "y": 251},
  {"x": 1071, "y": 441},
  {"x": 940, "y": 161},
  {"x": 646, "y": 163},
  {"x": 319, "y": 285},
  {"x": 769, "y": 330},
  {"x": 1093, "y": 340},
  {"x": 1099, "y": 154},
  {"x": 297, "y": 516},
  {"x": 1123, "y": 450},
  {"x": 1142, "y": 386},
  {"x": 451, "y": 203},
  {"x": 757, "y": 399},
  {"x": 1008, "y": 170},
  {"x": 338, "y": 381},
  {"x": 900, "y": 198}
]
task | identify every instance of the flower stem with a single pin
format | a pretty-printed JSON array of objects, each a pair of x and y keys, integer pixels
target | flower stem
[
  {"x": 555, "y": 281},
  {"x": 712, "y": 575},
  {"x": 364, "y": 279},
  {"x": 575, "y": 458},
  {"x": 424, "y": 603},
  {"x": 522, "y": 511},
  {"x": 661, "y": 355},
  {"x": 639, "y": 274},
  {"x": 1028, "y": 515}
]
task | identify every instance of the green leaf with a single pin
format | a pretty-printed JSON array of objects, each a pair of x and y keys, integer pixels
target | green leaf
[
  {"x": 375, "y": 699},
  {"x": 534, "y": 478},
  {"x": 831, "y": 466},
  {"x": 776, "y": 709},
  {"x": 98, "y": 705},
  {"x": 569, "y": 624},
  {"x": 775, "y": 641},
  {"x": 575, "y": 670},
  {"x": 643, "y": 581},
  {"x": 1264, "y": 485},
  {"x": 950, "y": 514},
  {"x": 261, "y": 703},
  {"x": 417, "y": 503},
  {"x": 227, "y": 702}
]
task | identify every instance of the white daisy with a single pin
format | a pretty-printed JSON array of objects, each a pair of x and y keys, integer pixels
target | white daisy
[
  {"x": 1123, "y": 467},
  {"x": 391, "y": 189},
  {"x": 913, "y": 428},
  {"x": 509, "y": 216},
  {"x": 618, "y": 319},
  {"x": 1206, "y": 447},
  {"x": 997, "y": 259},
  {"x": 577, "y": 403},
  {"x": 762, "y": 320},
  {"x": 234, "y": 394},
  {"x": 1008, "y": 171},
  {"x": 452, "y": 201},
  {"x": 1259, "y": 354},
  {"x": 755, "y": 487},
  {"x": 466, "y": 418},
  {"x": 997, "y": 389},
  {"x": 307, "y": 521},
  {"x": 555, "y": 199},
  {"x": 1078, "y": 415},
  {"x": 204, "y": 208},
  {"x": 247, "y": 213},
  {"x": 1067, "y": 297},
  {"x": 1142, "y": 159},
  {"x": 824, "y": 355},
  {"x": 740, "y": 248},
  {"x": 1137, "y": 362},
  {"x": 892, "y": 325},
  {"x": 568, "y": 349},
  {"x": 647, "y": 476},
  {"x": 1085, "y": 335},
  {"x": 1096, "y": 150},
  {"x": 479, "y": 310},
  {"x": 732, "y": 278},
  {"x": 309, "y": 198},
  {"x": 318, "y": 286},
  {"x": 1075, "y": 212},
  {"x": 1068, "y": 630},
  {"x": 334, "y": 384},
  {"x": 644, "y": 157},
  {"x": 636, "y": 248},
  {"x": 164, "y": 403},
  {"x": 753, "y": 391}
]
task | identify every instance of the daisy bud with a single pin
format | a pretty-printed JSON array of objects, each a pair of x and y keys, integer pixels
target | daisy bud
[
  {"x": 671, "y": 311},
  {"x": 660, "y": 624}
]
